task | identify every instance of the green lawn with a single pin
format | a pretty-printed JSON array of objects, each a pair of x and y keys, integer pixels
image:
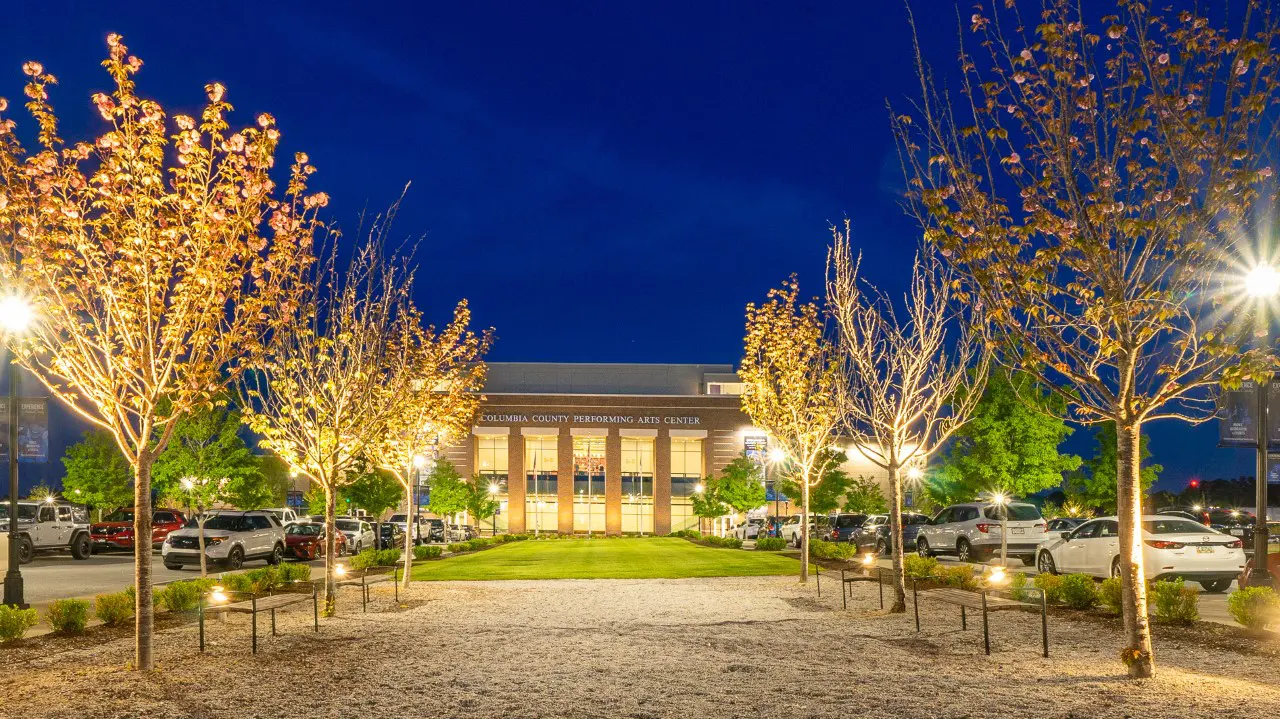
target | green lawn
[{"x": 629, "y": 558}]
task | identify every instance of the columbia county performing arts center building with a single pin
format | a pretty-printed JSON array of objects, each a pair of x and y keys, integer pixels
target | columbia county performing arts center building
[{"x": 605, "y": 448}]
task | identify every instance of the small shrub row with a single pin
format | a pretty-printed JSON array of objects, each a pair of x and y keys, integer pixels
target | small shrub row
[
  {"x": 959, "y": 577},
  {"x": 377, "y": 558},
  {"x": 771, "y": 544},
  {"x": 724, "y": 542},
  {"x": 505, "y": 538},
  {"x": 821, "y": 549},
  {"x": 1254, "y": 607},
  {"x": 918, "y": 567},
  {"x": 1110, "y": 594},
  {"x": 15, "y": 622},
  {"x": 68, "y": 616},
  {"x": 471, "y": 545},
  {"x": 427, "y": 551},
  {"x": 1175, "y": 602},
  {"x": 1051, "y": 585},
  {"x": 113, "y": 609},
  {"x": 1079, "y": 591},
  {"x": 686, "y": 534}
]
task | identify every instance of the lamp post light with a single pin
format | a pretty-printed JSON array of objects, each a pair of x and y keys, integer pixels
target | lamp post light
[
  {"x": 1262, "y": 284},
  {"x": 776, "y": 456},
  {"x": 16, "y": 316},
  {"x": 1001, "y": 499}
]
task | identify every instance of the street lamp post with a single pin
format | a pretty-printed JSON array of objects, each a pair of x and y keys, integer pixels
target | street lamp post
[
  {"x": 1262, "y": 284},
  {"x": 493, "y": 494},
  {"x": 15, "y": 317}
]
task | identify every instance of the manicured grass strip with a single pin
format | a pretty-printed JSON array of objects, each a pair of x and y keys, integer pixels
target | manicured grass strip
[{"x": 629, "y": 558}]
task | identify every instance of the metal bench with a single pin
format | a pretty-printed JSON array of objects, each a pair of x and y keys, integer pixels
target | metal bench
[
  {"x": 848, "y": 579},
  {"x": 987, "y": 601},
  {"x": 252, "y": 604},
  {"x": 365, "y": 578}
]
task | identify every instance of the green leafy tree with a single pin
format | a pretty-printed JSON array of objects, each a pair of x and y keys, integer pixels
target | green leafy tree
[
  {"x": 372, "y": 490},
  {"x": 1010, "y": 443},
  {"x": 864, "y": 496},
  {"x": 740, "y": 486},
  {"x": 943, "y": 486},
  {"x": 277, "y": 479},
  {"x": 707, "y": 504},
  {"x": 97, "y": 473},
  {"x": 206, "y": 445},
  {"x": 1095, "y": 484},
  {"x": 833, "y": 483},
  {"x": 480, "y": 502},
  {"x": 449, "y": 491},
  {"x": 315, "y": 500}
]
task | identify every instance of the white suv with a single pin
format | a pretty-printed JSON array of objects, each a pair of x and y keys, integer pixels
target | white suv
[
  {"x": 972, "y": 531},
  {"x": 405, "y": 522},
  {"x": 230, "y": 538}
]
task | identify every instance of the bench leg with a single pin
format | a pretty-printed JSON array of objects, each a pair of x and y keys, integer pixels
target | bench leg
[
  {"x": 273, "y": 622},
  {"x": 315, "y": 608},
  {"x": 844, "y": 595},
  {"x": 915, "y": 602},
  {"x": 986, "y": 634},
  {"x": 395, "y": 582},
  {"x": 202, "y": 623},
  {"x": 964, "y": 623},
  {"x": 255, "y": 630},
  {"x": 880, "y": 583},
  {"x": 819, "y": 573},
  {"x": 364, "y": 596},
  {"x": 1044, "y": 626}
]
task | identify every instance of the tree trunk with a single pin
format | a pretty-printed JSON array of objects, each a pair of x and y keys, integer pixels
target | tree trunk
[
  {"x": 804, "y": 528},
  {"x": 204, "y": 567},
  {"x": 1137, "y": 627},
  {"x": 410, "y": 526},
  {"x": 330, "y": 551},
  {"x": 895, "y": 541},
  {"x": 144, "y": 612}
]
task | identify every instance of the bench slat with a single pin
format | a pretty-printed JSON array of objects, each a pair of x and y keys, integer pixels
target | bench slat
[
  {"x": 973, "y": 600},
  {"x": 267, "y": 603}
]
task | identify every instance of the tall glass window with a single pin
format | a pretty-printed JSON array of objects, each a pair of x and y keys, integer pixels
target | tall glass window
[
  {"x": 588, "y": 484},
  {"x": 637, "y": 485},
  {"x": 541, "y": 463},
  {"x": 491, "y": 471},
  {"x": 686, "y": 472}
]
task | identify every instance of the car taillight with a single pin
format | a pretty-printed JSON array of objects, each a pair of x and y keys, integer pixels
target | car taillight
[
  {"x": 1041, "y": 527},
  {"x": 1236, "y": 544},
  {"x": 1162, "y": 544},
  {"x": 984, "y": 528}
]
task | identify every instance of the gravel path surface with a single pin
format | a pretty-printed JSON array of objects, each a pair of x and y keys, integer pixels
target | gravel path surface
[{"x": 730, "y": 647}]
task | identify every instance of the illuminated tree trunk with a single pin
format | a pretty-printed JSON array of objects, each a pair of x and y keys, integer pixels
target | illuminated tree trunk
[
  {"x": 330, "y": 550},
  {"x": 895, "y": 539},
  {"x": 804, "y": 529},
  {"x": 204, "y": 568},
  {"x": 1133, "y": 588},
  {"x": 144, "y": 612},
  {"x": 410, "y": 526}
]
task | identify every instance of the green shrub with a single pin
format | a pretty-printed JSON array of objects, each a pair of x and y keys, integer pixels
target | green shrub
[
  {"x": 477, "y": 543},
  {"x": 823, "y": 549},
  {"x": 1175, "y": 602},
  {"x": 113, "y": 609},
  {"x": 180, "y": 596},
  {"x": 1254, "y": 607},
  {"x": 686, "y": 534},
  {"x": 295, "y": 572},
  {"x": 457, "y": 547},
  {"x": 426, "y": 552},
  {"x": 1052, "y": 587},
  {"x": 1111, "y": 595},
  {"x": 238, "y": 582},
  {"x": 919, "y": 567},
  {"x": 15, "y": 622},
  {"x": 68, "y": 616},
  {"x": 1079, "y": 591},
  {"x": 725, "y": 542},
  {"x": 1018, "y": 587},
  {"x": 263, "y": 580},
  {"x": 959, "y": 577},
  {"x": 771, "y": 544}
]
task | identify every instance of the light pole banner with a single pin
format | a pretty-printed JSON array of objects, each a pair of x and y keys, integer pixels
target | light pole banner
[
  {"x": 33, "y": 429},
  {"x": 1238, "y": 416}
]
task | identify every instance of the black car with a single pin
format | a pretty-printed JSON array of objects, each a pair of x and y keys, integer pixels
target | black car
[
  {"x": 843, "y": 526},
  {"x": 435, "y": 530},
  {"x": 874, "y": 535},
  {"x": 390, "y": 536},
  {"x": 1058, "y": 525}
]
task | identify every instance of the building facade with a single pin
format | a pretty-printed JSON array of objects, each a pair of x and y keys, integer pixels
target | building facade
[{"x": 602, "y": 448}]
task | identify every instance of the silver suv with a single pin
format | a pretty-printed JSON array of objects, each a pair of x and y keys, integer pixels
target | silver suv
[
  {"x": 971, "y": 531},
  {"x": 49, "y": 527},
  {"x": 230, "y": 538}
]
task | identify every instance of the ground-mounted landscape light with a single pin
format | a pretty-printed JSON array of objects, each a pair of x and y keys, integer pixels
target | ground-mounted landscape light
[
  {"x": 997, "y": 576},
  {"x": 340, "y": 570},
  {"x": 217, "y": 595}
]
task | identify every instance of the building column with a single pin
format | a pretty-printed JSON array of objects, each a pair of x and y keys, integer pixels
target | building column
[
  {"x": 515, "y": 483},
  {"x": 564, "y": 481},
  {"x": 613, "y": 483},
  {"x": 662, "y": 483}
]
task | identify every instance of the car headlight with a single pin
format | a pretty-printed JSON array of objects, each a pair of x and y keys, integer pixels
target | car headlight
[{"x": 214, "y": 541}]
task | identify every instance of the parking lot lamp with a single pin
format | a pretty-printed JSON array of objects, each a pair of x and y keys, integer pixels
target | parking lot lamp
[
  {"x": 1262, "y": 285},
  {"x": 1002, "y": 500},
  {"x": 16, "y": 316}
]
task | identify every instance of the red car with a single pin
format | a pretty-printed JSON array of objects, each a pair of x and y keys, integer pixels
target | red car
[
  {"x": 115, "y": 531},
  {"x": 305, "y": 540}
]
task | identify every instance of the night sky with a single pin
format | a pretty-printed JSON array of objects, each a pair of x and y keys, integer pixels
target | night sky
[{"x": 605, "y": 182}]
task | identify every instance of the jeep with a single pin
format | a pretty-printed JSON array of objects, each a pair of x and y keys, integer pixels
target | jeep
[{"x": 45, "y": 527}]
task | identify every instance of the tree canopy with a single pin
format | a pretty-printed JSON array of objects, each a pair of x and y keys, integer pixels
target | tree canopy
[
  {"x": 449, "y": 490},
  {"x": 97, "y": 474},
  {"x": 1095, "y": 484},
  {"x": 865, "y": 496},
  {"x": 207, "y": 447},
  {"x": 372, "y": 489},
  {"x": 832, "y": 484}
]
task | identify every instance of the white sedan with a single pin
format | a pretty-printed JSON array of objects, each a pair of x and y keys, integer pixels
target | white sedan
[
  {"x": 749, "y": 529},
  {"x": 1173, "y": 547}
]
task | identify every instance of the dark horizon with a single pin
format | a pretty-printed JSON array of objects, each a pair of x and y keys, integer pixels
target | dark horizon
[{"x": 613, "y": 187}]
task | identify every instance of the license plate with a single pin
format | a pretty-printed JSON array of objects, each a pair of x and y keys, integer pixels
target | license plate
[
  {"x": 1204, "y": 550},
  {"x": 1238, "y": 532},
  {"x": 1019, "y": 530}
]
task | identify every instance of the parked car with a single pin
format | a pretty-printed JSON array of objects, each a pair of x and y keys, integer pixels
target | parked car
[
  {"x": 1243, "y": 530},
  {"x": 115, "y": 531},
  {"x": 1173, "y": 547},
  {"x": 359, "y": 534},
  {"x": 1195, "y": 515},
  {"x": 461, "y": 532},
  {"x": 874, "y": 534},
  {"x": 749, "y": 529},
  {"x": 231, "y": 538},
  {"x": 306, "y": 540},
  {"x": 844, "y": 526},
  {"x": 435, "y": 530},
  {"x": 420, "y": 525},
  {"x": 45, "y": 527},
  {"x": 1064, "y": 524},
  {"x": 971, "y": 531},
  {"x": 286, "y": 515},
  {"x": 390, "y": 536},
  {"x": 791, "y": 529}
]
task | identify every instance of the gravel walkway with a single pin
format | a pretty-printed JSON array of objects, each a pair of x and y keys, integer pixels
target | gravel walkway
[{"x": 733, "y": 647}]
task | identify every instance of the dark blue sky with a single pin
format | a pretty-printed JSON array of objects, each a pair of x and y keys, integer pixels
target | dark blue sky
[{"x": 604, "y": 181}]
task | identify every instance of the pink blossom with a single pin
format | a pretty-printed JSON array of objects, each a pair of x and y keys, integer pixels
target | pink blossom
[
  {"x": 1014, "y": 158},
  {"x": 1242, "y": 67},
  {"x": 32, "y": 68},
  {"x": 113, "y": 39},
  {"x": 135, "y": 63},
  {"x": 1163, "y": 59},
  {"x": 216, "y": 91},
  {"x": 184, "y": 122},
  {"x": 1019, "y": 78},
  {"x": 1026, "y": 55},
  {"x": 265, "y": 119},
  {"x": 4, "y": 104}
]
